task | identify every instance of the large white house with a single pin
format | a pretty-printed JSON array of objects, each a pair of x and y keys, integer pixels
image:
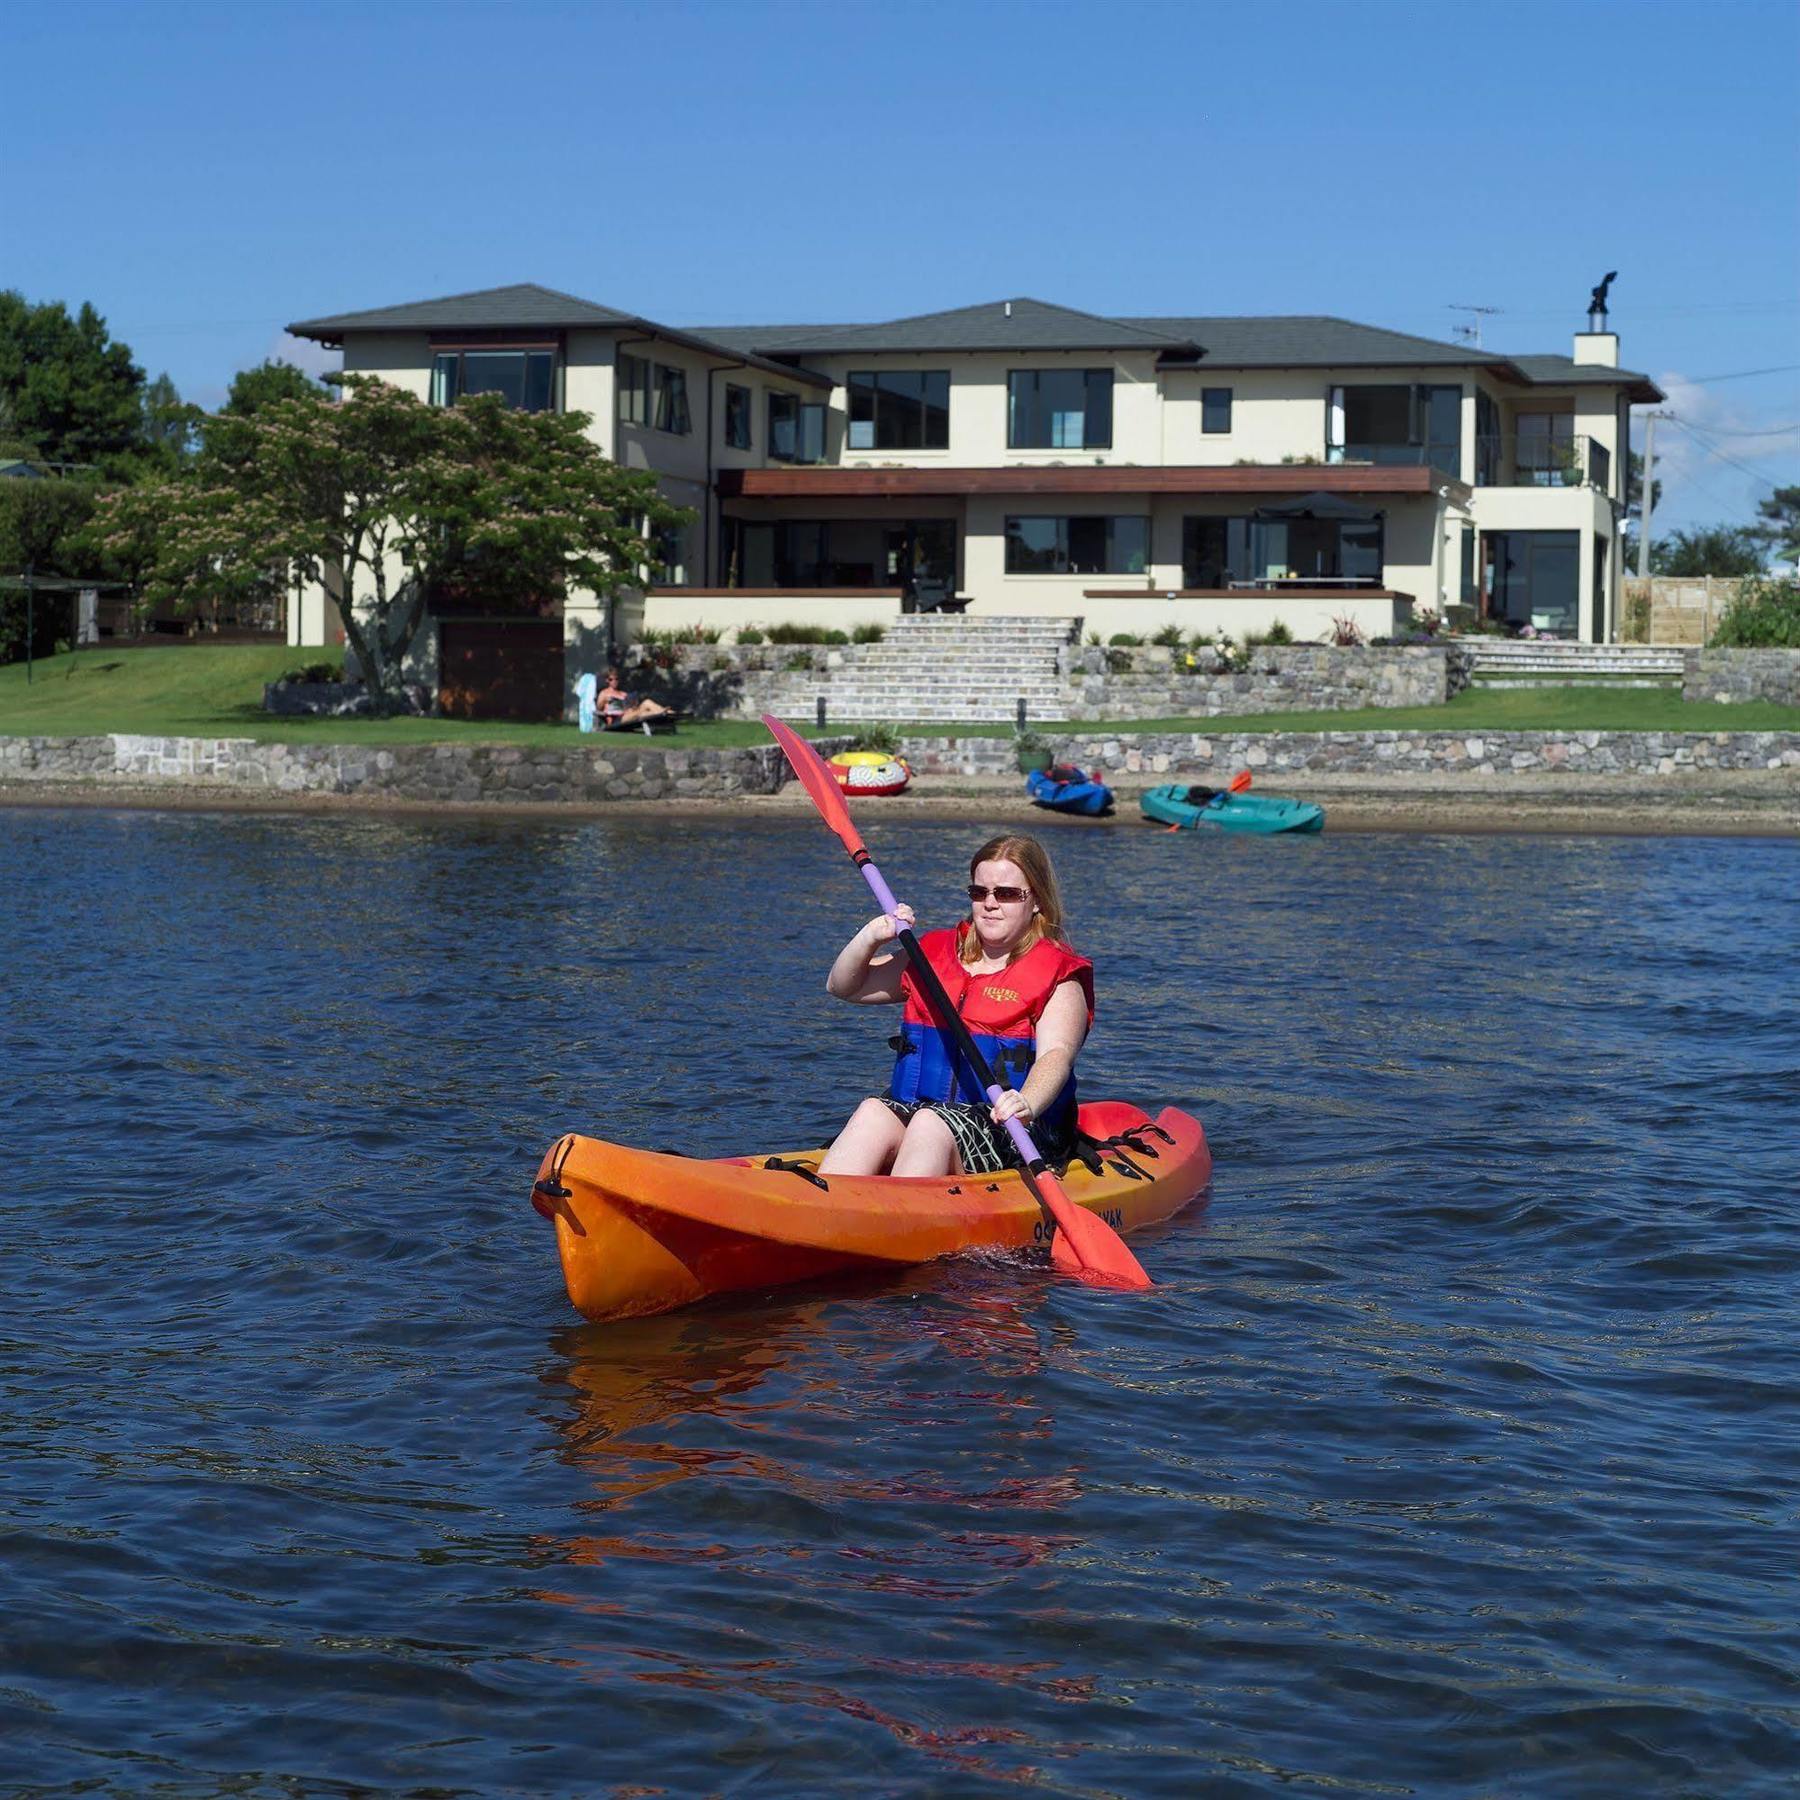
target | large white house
[{"x": 1029, "y": 458}]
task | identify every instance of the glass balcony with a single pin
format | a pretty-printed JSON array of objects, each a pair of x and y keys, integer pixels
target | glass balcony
[{"x": 1515, "y": 459}]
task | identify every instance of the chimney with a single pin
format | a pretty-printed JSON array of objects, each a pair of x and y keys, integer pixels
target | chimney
[{"x": 1600, "y": 347}]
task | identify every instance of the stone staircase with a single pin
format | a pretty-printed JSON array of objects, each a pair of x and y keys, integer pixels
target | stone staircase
[
  {"x": 948, "y": 669},
  {"x": 1547, "y": 662}
]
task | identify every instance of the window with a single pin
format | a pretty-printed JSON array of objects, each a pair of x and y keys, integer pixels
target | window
[
  {"x": 906, "y": 409},
  {"x": 672, "y": 401},
  {"x": 1545, "y": 455},
  {"x": 1393, "y": 423},
  {"x": 796, "y": 429},
  {"x": 737, "y": 417},
  {"x": 1077, "y": 546},
  {"x": 634, "y": 390},
  {"x": 1059, "y": 409},
  {"x": 522, "y": 378},
  {"x": 1215, "y": 409},
  {"x": 1215, "y": 552},
  {"x": 668, "y": 567}
]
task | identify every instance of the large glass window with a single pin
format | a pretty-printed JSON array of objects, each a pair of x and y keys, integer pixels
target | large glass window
[
  {"x": 1215, "y": 410},
  {"x": 1534, "y": 578},
  {"x": 1545, "y": 453},
  {"x": 633, "y": 377},
  {"x": 1396, "y": 422},
  {"x": 901, "y": 409},
  {"x": 1086, "y": 545},
  {"x": 669, "y": 567},
  {"x": 672, "y": 400},
  {"x": 1216, "y": 552},
  {"x": 1059, "y": 409},
  {"x": 522, "y": 378},
  {"x": 737, "y": 417},
  {"x": 796, "y": 429}
]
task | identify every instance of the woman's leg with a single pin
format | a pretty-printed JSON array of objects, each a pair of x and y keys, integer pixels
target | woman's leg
[
  {"x": 927, "y": 1148},
  {"x": 867, "y": 1143}
]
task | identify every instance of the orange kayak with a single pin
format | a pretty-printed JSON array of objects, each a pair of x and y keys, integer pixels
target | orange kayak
[{"x": 642, "y": 1231}]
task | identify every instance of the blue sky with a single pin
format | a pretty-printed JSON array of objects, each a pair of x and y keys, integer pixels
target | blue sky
[{"x": 205, "y": 173}]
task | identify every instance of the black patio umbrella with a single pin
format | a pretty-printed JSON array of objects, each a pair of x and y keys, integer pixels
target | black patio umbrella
[{"x": 1318, "y": 505}]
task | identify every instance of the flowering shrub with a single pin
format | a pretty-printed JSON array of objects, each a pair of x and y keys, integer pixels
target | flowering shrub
[{"x": 1345, "y": 631}]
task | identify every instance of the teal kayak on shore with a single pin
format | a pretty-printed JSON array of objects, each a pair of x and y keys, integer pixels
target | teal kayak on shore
[{"x": 1214, "y": 809}]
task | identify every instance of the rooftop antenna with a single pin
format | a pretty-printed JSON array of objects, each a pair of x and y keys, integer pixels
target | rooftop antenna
[{"x": 1470, "y": 334}]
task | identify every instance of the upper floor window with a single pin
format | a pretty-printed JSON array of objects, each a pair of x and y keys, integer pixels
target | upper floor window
[
  {"x": 737, "y": 417},
  {"x": 1396, "y": 423},
  {"x": 796, "y": 429},
  {"x": 902, "y": 409},
  {"x": 1215, "y": 409},
  {"x": 1077, "y": 546},
  {"x": 633, "y": 377},
  {"x": 522, "y": 378},
  {"x": 672, "y": 400},
  {"x": 1059, "y": 409}
]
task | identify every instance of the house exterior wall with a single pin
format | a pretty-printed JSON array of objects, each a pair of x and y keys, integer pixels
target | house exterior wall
[{"x": 1278, "y": 416}]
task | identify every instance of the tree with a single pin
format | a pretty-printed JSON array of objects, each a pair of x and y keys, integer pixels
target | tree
[
  {"x": 1707, "y": 550},
  {"x": 71, "y": 393},
  {"x": 382, "y": 498},
  {"x": 253, "y": 389},
  {"x": 1777, "y": 527},
  {"x": 169, "y": 424}
]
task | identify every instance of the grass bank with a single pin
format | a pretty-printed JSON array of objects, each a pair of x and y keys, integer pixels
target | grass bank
[{"x": 204, "y": 690}]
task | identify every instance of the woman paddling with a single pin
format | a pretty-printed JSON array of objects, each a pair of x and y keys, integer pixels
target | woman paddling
[{"x": 1027, "y": 999}]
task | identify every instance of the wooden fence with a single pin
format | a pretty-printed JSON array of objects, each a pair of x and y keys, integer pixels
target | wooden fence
[{"x": 1675, "y": 609}]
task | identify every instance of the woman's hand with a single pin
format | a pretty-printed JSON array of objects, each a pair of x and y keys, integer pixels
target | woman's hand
[
  {"x": 1012, "y": 1105},
  {"x": 885, "y": 926}
]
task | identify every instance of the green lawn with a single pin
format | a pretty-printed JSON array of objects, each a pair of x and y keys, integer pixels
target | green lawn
[{"x": 203, "y": 690}]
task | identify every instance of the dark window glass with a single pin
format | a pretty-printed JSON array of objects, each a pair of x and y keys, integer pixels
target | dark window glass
[
  {"x": 1217, "y": 552},
  {"x": 1487, "y": 441},
  {"x": 1440, "y": 411},
  {"x": 522, "y": 378},
  {"x": 784, "y": 430},
  {"x": 1377, "y": 416},
  {"x": 1083, "y": 545},
  {"x": 634, "y": 390},
  {"x": 737, "y": 417},
  {"x": 900, "y": 409},
  {"x": 1059, "y": 409},
  {"x": 672, "y": 401},
  {"x": 1534, "y": 579},
  {"x": 1215, "y": 409}
]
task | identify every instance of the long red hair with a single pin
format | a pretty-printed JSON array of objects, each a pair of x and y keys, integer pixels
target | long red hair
[{"x": 1032, "y": 861}]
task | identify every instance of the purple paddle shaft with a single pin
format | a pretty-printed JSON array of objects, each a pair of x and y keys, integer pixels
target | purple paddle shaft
[{"x": 884, "y": 898}]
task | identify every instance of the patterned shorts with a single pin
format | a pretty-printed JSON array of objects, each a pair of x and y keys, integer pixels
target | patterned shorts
[{"x": 982, "y": 1147}]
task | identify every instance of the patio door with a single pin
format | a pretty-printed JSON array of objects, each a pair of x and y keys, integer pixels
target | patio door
[{"x": 1534, "y": 578}]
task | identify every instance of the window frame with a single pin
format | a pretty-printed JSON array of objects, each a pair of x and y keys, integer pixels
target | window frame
[
  {"x": 744, "y": 414},
  {"x": 873, "y": 387},
  {"x": 1089, "y": 412},
  {"x": 637, "y": 385},
  {"x": 809, "y": 426},
  {"x": 669, "y": 397},
  {"x": 459, "y": 353},
  {"x": 1208, "y": 397},
  {"x": 1111, "y": 562}
]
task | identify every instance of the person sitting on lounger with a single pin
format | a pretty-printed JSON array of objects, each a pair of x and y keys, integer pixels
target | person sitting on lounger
[{"x": 617, "y": 707}]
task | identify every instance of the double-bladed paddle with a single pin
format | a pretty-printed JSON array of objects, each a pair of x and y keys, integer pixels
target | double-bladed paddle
[{"x": 1083, "y": 1245}]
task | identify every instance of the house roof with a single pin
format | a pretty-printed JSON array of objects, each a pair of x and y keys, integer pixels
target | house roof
[
  {"x": 1018, "y": 324},
  {"x": 1307, "y": 340},
  {"x": 1301, "y": 340},
  {"x": 525, "y": 307}
]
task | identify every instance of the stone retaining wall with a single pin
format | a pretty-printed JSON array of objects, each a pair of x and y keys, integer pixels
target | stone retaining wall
[
  {"x": 1742, "y": 675},
  {"x": 1599, "y": 753},
  {"x": 449, "y": 774},
  {"x": 1148, "y": 681}
]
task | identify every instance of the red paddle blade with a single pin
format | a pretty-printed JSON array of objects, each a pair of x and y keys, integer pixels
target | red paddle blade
[
  {"x": 810, "y": 770},
  {"x": 1238, "y": 782},
  {"x": 1085, "y": 1246}
]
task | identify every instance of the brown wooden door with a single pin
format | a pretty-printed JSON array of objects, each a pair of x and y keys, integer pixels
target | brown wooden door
[{"x": 500, "y": 668}]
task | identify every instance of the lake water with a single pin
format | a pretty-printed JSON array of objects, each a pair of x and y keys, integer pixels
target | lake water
[{"x": 1456, "y": 1451}]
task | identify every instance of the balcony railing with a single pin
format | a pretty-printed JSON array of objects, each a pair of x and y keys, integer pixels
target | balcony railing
[
  {"x": 1439, "y": 456},
  {"x": 1509, "y": 460}
]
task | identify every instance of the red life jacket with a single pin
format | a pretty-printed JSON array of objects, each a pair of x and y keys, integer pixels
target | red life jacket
[{"x": 1001, "y": 1011}]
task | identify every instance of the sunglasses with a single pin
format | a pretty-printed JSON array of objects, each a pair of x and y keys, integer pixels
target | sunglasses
[{"x": 1007, "y": 896}]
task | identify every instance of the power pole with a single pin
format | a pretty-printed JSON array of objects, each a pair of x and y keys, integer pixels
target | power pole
[{"x": 1649, "y": 490}]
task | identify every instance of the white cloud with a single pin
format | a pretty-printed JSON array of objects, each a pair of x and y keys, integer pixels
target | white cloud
[{"x": 1705, "y": 480}]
